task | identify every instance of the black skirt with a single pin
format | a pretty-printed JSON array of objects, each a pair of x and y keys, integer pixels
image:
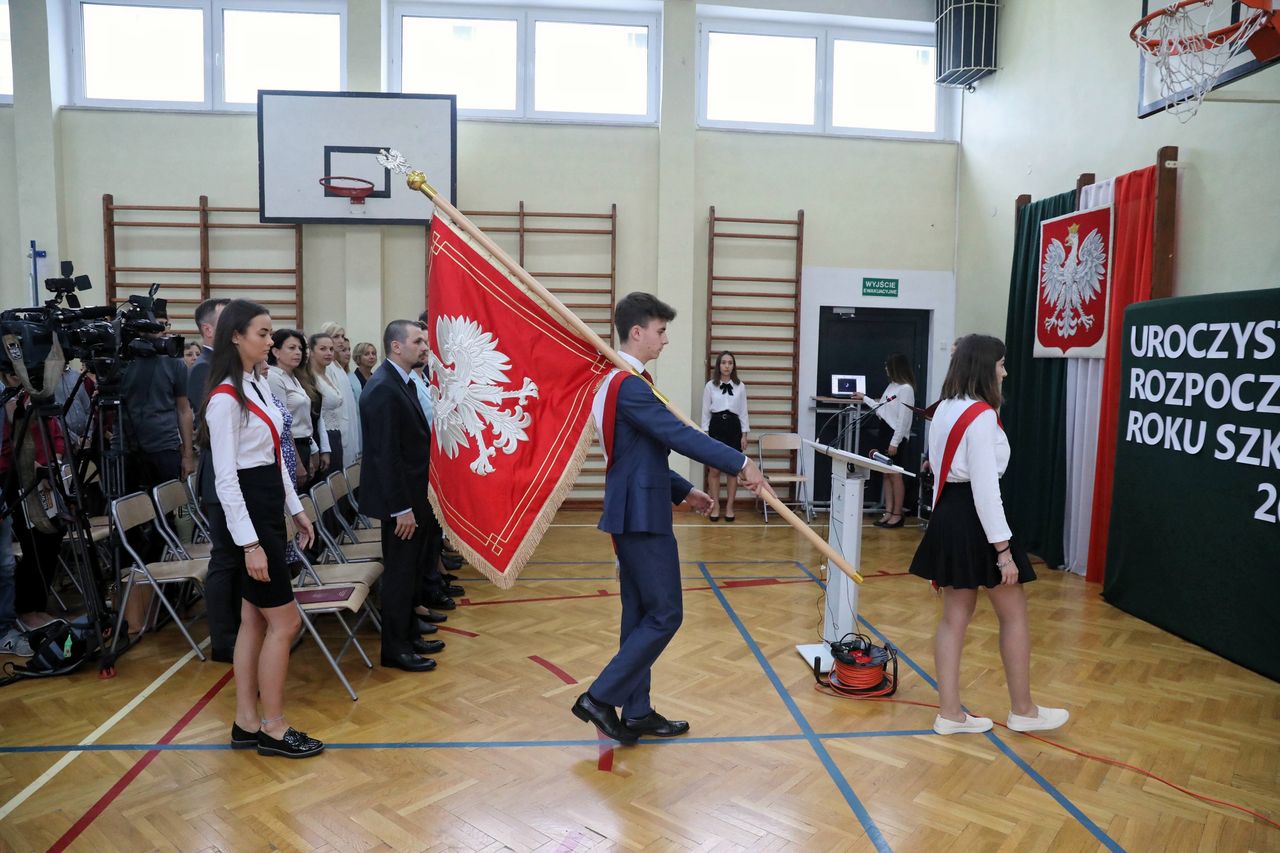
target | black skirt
[
  {"x": 726, "y": 428},
  {"x": 263, "y": 492},
  {"x": 955, "y": 551}
]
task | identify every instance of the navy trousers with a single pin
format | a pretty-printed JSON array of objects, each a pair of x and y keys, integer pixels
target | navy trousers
[{"x": 652, "y": 609}]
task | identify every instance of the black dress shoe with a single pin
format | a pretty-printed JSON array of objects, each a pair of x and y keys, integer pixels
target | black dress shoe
[
  {"x": 291, "y": 744},
  {"x": 454, "y": 590},
  {"x": 223, "y": 655},
  {"x": 241, "y": 739},
  {"x": 656, "y": 725},
  {"x": 448, "y": 577},
  {"x": 451, "y": 562},
  {"x": 428, "y": 647},
  {"x": 432, "y": 616},
  {"x": 603, "y": 717},
  {"x": 425, "y": 627},
  {"x": 409, "y": 662},
  {"x": 443, "y": 602}
]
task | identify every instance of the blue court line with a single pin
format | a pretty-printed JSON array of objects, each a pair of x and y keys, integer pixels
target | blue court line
[
  {"x": 1048, "y": 787},
  {"x": 449, "y": 744},
  {"x": 864, "y": 817}
]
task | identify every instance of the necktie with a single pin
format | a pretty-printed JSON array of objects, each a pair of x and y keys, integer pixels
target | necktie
[{"x": 648, "y": 377}]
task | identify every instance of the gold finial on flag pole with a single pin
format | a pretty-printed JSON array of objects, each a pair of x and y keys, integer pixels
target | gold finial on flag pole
[{"x": 417, "y": 180}]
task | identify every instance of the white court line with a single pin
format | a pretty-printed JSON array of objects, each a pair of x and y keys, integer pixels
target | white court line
[{"x": 62, "y": 762}]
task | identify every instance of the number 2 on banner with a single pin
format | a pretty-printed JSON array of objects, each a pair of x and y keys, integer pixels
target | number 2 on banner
[{"x": 1269, "y": 505}]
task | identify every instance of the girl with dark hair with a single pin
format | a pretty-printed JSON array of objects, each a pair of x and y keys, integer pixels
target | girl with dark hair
[
  {"x": 969, "y": 544},
  {"x": 330, "y": 401},
  {"x": 724, "y": 418},
  {"x": 289, "y": 379},
  {"x": 242, "y": 428},
  {"x": 894, "y": 408}
]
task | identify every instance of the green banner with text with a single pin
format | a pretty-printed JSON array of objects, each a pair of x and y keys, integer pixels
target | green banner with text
[
  {"x": 1194, "y": 544},
  {"x": 880, "y": 287}
]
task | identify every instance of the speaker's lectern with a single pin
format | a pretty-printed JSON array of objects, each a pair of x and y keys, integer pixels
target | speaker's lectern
[{"x": 849, "y": 473}]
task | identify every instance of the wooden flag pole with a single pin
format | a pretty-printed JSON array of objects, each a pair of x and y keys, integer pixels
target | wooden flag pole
[{"x": 418, "y": 181}]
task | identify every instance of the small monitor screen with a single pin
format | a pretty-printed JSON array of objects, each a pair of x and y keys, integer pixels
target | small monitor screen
[{"x": 844, "y": 385}]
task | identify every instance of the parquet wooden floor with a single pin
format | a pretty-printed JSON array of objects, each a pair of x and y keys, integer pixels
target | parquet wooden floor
[{"x": 483, "y": 754}]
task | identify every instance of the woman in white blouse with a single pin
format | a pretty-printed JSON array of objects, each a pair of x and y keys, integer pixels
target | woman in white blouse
[
  {"x": 289, "y": 380},
  {"x": 724, "y": 418},
  {"x": 242, "y": 429},
  {"x": 894, "y": 408},
  {"x": 969, "y": 544},
  {"x": 346, "y": 418},
  {"x": 331, "y": 399}
]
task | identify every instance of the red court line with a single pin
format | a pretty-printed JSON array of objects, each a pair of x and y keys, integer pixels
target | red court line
[
  {"x": 753, "y": 582},
  {"x": 605, "y": 594},
  {"x": 101, "y": 805},
  {"x": 457, "y": 631},
  {"x": 605, "y": 763},
  {"x": 553, "y": 669}
]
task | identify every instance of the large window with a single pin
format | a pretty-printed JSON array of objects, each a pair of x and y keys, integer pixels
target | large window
[
  {"x": 6, "y": 56},
  {"x": 205, "y": 54},
  {"x": 529, "y": 63},
  {"x": 768, "y": 75}
]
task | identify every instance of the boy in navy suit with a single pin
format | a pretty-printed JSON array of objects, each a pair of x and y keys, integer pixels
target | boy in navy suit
[{"x": 638, "y": 432}]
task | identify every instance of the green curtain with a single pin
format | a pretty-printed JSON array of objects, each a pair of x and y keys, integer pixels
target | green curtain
[{"x": 1034, "y": 414}]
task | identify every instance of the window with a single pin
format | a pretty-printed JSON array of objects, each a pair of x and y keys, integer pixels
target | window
[
  {"x": 529, "y": 63},
  {"x": 6, "y": 56},
  {"x": 204, "y": 54},
  {"x": 821, "y": 78}
]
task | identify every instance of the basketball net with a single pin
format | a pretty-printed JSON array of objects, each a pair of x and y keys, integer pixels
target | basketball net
[{"x": 1189, "y": 56}]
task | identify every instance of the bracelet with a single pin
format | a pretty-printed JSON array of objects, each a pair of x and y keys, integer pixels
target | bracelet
[
  {"x": 1000, "y": 564},
  {"x": 249, "y": 549},
  {"x": 1004, "y": 550}
]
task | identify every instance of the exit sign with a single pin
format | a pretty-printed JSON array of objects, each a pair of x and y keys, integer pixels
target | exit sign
[{"x": 880, "y": 287}]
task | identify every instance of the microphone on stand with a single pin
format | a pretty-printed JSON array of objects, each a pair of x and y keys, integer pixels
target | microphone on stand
[{"x": 863, "y": 417}]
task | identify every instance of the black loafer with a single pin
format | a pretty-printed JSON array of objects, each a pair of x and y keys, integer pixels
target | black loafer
[
  {"x": 292, "y": 744},
  {"x": 409, "y": 662},
  {"x": 454, "y": 591},
  {"x": 451, "y": 562},
  {"x": 432, "y": 616},
  {"x": 603, "y": 717},
  {"x": 425, "y": 627},
  {"x": 656, "y": 725},
  {"x": 241, "y": 739},
  {"x": 448, "y": 577},
  {"x": 428, "y": 647},
  {"x": 443, "y": 602}
]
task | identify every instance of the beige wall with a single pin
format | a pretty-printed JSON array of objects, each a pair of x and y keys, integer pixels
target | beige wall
[
  {"x": 12, "y": 282},
  {"x": 1062, "y": 104}
]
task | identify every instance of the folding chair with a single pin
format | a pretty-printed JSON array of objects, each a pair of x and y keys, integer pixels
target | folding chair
[
  {"x": 786, "y": 442},
  {"x": 353, "y": 486},
  {"x": 197, "y": 512},
  {"x": 335, "y": 599},
  {"x": 337, "y": 482},
  {"x": 170, "y": 497},
  {"x": 133, "y": 511},
  {"x": 322, "y": 502}
]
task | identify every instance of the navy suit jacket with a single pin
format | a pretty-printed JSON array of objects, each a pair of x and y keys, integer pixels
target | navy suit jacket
[
  {"x": 640, "y": 488},
  {"x": 397, "y": 448}
]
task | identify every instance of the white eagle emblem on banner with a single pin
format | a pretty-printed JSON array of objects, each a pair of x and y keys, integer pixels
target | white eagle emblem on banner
[
  {"x": 1073, "y": 276},
  {"x": 468, "y": 397}
]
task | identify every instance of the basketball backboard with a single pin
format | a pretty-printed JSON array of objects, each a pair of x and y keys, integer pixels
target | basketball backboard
[
  {"x": 306, "y": 136},
  {"x": 1151, "y": 99}
]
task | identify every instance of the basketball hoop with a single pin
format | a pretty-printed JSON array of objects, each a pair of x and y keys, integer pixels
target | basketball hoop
[
  {"x": 355, "y": 189},
  {"x": 1190, "y": 53}
]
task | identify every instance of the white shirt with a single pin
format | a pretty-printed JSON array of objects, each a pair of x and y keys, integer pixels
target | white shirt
[
  {"x": 240, "y": 439},
  {"x": 290, "y": 392},
  {"x": 897, "y": 414},
  {"x": 346, "y": 418},
  {"x": 715, "y": 400},
  {"x": 980, "y": 459},
  {"x": 597, "y": 404}
]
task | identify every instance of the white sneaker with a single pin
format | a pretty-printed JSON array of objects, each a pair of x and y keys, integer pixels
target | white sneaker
[
  {"x": 1044, "y": 720},
  {"x": 971, "y": 725},
  {"x": 15, "y": 643}
]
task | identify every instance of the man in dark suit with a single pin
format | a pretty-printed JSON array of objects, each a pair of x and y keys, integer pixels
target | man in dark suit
[
  {"x": 393, "y": 488},
  {"x": 221, "y": 587},
  {"x": 638, "y": 432}
]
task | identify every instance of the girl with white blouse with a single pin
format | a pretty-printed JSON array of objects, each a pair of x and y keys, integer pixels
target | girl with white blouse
[
  {"x": 968, "y": 543},
  {"x": 331, "y": 400},
  {"x": 894, "y": 408},
  {"x": 242, "y": 428},
  {"x": 724, "y": 418},
  {"x": 346, "y": 418},
  {"x": 288, "y": 378}
]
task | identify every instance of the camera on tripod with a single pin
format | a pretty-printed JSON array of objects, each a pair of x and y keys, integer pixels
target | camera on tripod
[{"x": 102, "y": 337}]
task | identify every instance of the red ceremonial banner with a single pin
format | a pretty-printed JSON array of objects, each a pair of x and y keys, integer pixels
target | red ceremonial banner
[
  {"x": 511, "y": 388},
  {"x": 1075, "y": 281}
]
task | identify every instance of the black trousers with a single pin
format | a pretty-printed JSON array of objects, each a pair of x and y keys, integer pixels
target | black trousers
[
  {"x": 146, "y": 470},
  {"x": 402, "y": 561},
  {"x": 222, "y": 590}
]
